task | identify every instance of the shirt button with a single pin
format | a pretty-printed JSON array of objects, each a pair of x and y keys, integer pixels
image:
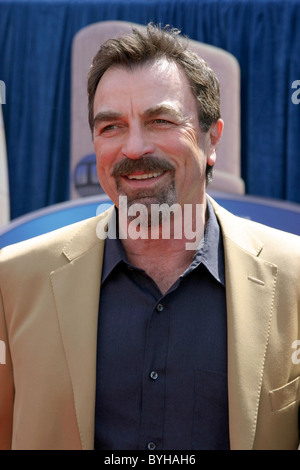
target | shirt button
[
  {"x": 153, "y": 375},
  {"x": 151, "y": 445},
  {"x": 159, "y": 307}
]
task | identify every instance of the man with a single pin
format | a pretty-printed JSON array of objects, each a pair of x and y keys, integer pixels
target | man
[{"x": 185, "y": 347}]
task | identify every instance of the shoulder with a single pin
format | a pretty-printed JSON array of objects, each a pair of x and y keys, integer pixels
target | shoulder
[
  {"x": 51, "y": 245},
  {"x": 269, "y": 234},
  {"x": 254, "y": 236},
  {"x": 50, "y": 242}
]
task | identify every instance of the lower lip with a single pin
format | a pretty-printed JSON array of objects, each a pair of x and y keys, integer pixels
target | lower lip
[{"x": 143, "y": 182}]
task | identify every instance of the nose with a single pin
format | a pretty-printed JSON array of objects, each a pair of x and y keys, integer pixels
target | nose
[{"x": 137, "y": 143}]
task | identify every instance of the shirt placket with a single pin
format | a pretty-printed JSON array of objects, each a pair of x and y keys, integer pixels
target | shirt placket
[{"x": 154, "y": 378}]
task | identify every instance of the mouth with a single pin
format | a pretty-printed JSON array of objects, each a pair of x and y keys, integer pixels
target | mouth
[
  {"x": 143, "y": 179},
  {"x": 145, "y": 169},
  {"x": 144, "y": 176}
]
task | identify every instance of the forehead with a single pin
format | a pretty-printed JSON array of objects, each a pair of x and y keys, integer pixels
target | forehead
[{"x": 144, "y": 86}]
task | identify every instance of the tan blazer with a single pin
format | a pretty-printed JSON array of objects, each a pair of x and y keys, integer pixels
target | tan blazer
[{"x": 49, "y": 301}]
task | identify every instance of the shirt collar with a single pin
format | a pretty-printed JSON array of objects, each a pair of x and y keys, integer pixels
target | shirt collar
[
  {"x": 114, "y": 252},
  {"x": 211, "y": 253}
]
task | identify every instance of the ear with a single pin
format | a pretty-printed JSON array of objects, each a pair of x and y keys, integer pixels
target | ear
[{"x": 214, "y": 134}]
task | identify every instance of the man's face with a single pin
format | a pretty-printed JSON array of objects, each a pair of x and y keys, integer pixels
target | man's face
[{"x": 147, "y": 137}]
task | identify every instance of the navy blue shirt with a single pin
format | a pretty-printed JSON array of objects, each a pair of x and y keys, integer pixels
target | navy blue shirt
[{"x": 162, "y": 359}]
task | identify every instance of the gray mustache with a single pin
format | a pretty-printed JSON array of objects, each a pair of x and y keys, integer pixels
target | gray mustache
[{"x": 146, "y": 164}]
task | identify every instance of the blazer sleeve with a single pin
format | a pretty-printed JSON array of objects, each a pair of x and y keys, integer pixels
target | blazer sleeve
[{"x": 6, "y": 383}]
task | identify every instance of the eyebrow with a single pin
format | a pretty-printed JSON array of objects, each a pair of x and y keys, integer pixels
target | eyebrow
[
  {"x": 164, "y": 109},
  {"x": 109, "y": 116},
  {"x": 106, "y": 116}
]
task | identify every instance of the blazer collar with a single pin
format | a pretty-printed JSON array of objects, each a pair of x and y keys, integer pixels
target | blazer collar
[
  {"x": 234, "y": 230},
  {"x": 91, "y": 232}
]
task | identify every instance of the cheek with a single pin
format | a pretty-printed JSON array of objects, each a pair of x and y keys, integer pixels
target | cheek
[
  {"x": 179, "y": 146},
  {"x": 193, "y": 141},
  {"x": 105, "y": 162},
  {"x": 191, "y": 164},
  {"x": 190, "y": 151},
  {"x": 105, "y": 157}
]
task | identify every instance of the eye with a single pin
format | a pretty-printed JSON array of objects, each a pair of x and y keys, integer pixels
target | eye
[
  {"x": 110, "y": 127},
  {"x": 161, "y": 121},
  {"x": 108, "y": 130}
]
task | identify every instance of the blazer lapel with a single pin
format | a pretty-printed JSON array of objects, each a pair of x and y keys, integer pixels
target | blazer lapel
[
  {"x": 250, "y": 287},
  {"x": 76, "y": 288}
]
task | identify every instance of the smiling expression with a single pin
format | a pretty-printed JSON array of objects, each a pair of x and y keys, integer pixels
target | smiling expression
[{"x": 147, "y": 137}]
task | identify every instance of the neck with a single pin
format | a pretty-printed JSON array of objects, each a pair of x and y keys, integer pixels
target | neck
[{"x": 175, "y": 240}]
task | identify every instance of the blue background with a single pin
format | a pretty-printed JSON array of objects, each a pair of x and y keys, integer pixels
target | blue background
[{"x": 35, "y": 59}]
